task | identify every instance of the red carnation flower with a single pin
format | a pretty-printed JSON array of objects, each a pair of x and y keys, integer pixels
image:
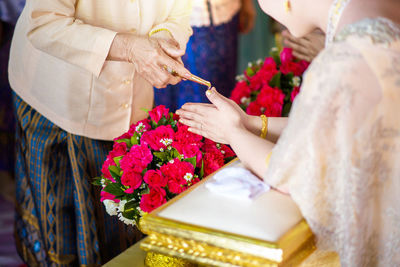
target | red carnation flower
[
  {"x": 254, "y": 109},
  {"x": 158, "y": 112},
  {"x": 137, "y": 159},
  {"x": 153, "y": 200},
  {"x": 132, "y": 179},
  {"x": 154, "y": 178},
  {"x": 240, "y": 92},
  {"x": 212, "y": 162},
  {"x": 160, "y": 138}
]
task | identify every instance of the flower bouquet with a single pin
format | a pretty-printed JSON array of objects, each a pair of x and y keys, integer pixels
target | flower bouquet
[
  {"x": 270, "y": 86},
  {"x": 157, "y": 159}
]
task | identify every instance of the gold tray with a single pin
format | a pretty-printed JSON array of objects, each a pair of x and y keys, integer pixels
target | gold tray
[{"x": 212, "y": 246}]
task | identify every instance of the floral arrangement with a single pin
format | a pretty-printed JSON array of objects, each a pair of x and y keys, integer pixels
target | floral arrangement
[
  {"x": 157, "y": 159},
  {"x": 270, "y": 86}
]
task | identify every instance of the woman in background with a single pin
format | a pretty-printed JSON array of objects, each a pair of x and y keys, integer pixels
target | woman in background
[{"x": 211, "y": 52}]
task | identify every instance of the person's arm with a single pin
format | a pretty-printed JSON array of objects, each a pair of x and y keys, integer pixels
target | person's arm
[
  {"x": 223, "y": 122},
  {"x": 275, "y": 126},
  {"x": 177, "y": 24},
  {"x": 55, "y": 30}
]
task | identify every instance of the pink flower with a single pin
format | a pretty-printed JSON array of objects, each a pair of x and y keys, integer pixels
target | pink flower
[
  {"x": 104, "y": 169},
  {"x": 286, "y": 55},
  {"x": 183, "y": 136},
  {"x": 212, "y": 162},
  {"x": 158, "y": 112},
  {"x": 187, "y": 150},
  {"x": 292, "y": 67},
  {"x": 105, "y": 195},
  {"x": 254, "y": 109},
  {"x": 132, "y": 179},
  {"x": 269, "y": 64},
  {"x": 240, "y": 92},
  {"x": 153, "y": 200},
  {"x": 161, "y": 137},
  {"x": 272, "y": 100},
  {"x": 154, "y": 178},
  {"x": 294, "y": 93},
  {"x": 137, "y": 159},
  {"x": 178, "y": 174},
  {"x": 227, "y": 151},
  {"x": 261, "y": 78}
]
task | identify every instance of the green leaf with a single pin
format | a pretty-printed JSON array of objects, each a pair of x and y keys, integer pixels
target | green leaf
[
  {"x": 286, "y": 109},
  {"x": 202, "y": 169},
  {"x": 175, "y": 153},
  {"x": 192, "y": 161},
  {"x": 117, "y": 159},
  {"x": 161, "y": 155},
  {"x": 275, "y": 54},
  {"x": 127, "y": 141},
  {"x": 115, "y": 172},
  {"x": 145, "y": 190},
  {"x": 97, "y": 181},
  {"x": 162, "y": 121},
  {"x": 114, "y": 189},
  {"x": 276, "y": 80},
  {"x": 135, "y": 138},
  {"x": 250, "y": 71}
]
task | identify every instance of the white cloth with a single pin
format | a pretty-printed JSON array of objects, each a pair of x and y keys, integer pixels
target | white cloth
[
  {"x": 340, "y": 153},
  {"x": 237, "y": 182},
  {"x": 222, "y": 11},
  {"x": 58, "y": 60}
]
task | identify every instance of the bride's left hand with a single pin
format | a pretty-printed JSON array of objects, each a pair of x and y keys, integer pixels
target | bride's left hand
[{"x": 216, "y": 121}]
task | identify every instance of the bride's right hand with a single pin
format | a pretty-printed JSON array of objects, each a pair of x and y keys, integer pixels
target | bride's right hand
[{"x": 151, "y": 57}]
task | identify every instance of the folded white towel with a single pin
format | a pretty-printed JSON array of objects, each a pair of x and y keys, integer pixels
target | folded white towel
[{"x": 236, "y": 182}]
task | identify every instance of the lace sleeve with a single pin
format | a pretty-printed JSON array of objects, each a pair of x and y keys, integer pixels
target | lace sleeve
[{"x": 338, "y": 157}]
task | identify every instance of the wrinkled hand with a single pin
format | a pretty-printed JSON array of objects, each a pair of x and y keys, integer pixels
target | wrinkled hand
[
  {"x": 247, "y": 15},
  {"x": 215, "y": 121},
  {"x": 151, "y": 57},
  {"x": 307, "y": 47}
]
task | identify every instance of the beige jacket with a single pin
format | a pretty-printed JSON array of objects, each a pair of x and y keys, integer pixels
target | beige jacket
[{"x": 58, "y": 60}]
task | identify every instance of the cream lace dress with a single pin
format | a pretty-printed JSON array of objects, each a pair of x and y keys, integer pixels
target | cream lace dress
[{"x": 340, "y": 153}]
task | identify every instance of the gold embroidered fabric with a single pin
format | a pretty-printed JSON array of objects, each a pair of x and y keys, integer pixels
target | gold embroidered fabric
[{"x": 340, "y": 153}]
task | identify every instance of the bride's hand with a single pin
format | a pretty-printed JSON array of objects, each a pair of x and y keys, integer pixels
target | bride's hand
[{"x": 216, "y": 121}]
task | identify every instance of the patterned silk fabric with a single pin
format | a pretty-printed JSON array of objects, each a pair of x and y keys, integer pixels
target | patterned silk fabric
[
  {"x": 340, "y": 153},
  {"x": 60, "y": 220}
]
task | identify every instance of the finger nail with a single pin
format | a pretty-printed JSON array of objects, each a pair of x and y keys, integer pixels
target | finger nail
[
  {"x": 187, "y": 75},
  {"x": 208, "y": 92}
]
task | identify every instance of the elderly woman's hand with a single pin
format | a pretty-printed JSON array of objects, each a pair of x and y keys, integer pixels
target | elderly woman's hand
[
  {"x": 216, "y": 121},
  {"x": 152, "y": 57}
]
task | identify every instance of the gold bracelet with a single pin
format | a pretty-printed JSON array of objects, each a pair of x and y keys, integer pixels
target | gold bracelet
[{"x": 264, "y": 129}]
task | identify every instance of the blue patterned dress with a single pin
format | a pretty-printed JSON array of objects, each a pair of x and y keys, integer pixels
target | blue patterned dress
[
  {"x": 60, "y": 220},
  {"x": 211, "y": 54}
]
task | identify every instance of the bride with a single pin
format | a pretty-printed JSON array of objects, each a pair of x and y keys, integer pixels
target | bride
[{"x": 339, "y": 154}]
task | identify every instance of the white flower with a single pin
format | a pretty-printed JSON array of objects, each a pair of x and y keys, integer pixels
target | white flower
[
  {"x": 245, "y": 100},
  {"x": 171, "y": 161},
  {"x": 111, "y": 207},
  {"x": 166, "y": 141},
  {"x": 125, "y": 220},
  {"x": 296, "y": 81},
  {"x": 103, "y": 182},
  {"x": 121, "y": 207},
  {"x": 162, "y": 149},
  {"x": 259, "y": 61},
  {"x": 140, "y": 127},
  {"x": 188, "y": 176}
]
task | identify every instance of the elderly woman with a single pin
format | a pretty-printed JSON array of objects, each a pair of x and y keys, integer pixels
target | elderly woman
[
  {"x": 338, "y": 157},
  {"x": 82, "y": 72}
]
